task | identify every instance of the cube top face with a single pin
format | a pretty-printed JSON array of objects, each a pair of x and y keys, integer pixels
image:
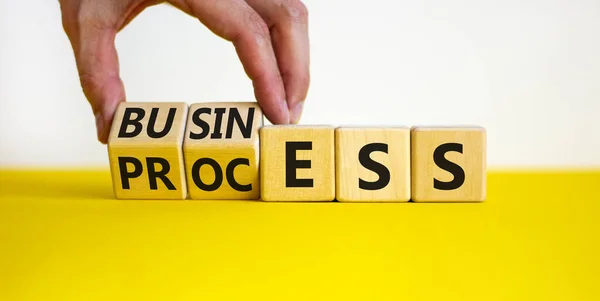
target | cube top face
[
  {"x": 373, "y": 164},
  {"x": 231, "y": 124},
  {"x": 441, "y": 128},
  {"x": 148, "y": 124},
  {"x": 448, "y": 164},
  {"x": 221, "y": 150},
  {"x": 372, "y": 130},
  {"x": 297, "y": 163}
]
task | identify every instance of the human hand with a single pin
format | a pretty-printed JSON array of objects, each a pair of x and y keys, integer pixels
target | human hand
[{"x": 270, "y": 38}]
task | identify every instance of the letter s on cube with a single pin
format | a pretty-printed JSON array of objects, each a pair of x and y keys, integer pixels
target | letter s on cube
[
  {"x": 448, "y": 164},
  {"x": 372, "y": 164},
  {"x": 145, "y": 151}
]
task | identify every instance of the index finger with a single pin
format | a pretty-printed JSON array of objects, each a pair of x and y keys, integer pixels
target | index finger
[
  {"x": 236, "y": 21},
  {"x": 288, "y": 23}
]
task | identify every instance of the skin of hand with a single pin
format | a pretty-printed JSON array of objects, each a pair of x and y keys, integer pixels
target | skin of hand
[{"x": 270, "y": 38}]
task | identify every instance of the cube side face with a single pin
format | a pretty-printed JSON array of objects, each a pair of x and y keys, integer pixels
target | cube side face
[
  {"x": 448, "y": 165},
  {"x": 148, "y": 172},
  {"x": 139, "y": 124},
  {"x": 145, "y": 151},
  {"x": 224, "y": 123},
  {"x": 221, "y": 149},
  {"x": 297, "y": 163},
  {"x": 373, "y": 164},
  {"x": 222, "y": 173}
]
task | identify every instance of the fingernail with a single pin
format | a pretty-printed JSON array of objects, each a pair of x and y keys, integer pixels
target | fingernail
[
  {"x": 296, "y": 112},
  {"x": 99, "y": 125},
  {"x": 285, "y": 111}
]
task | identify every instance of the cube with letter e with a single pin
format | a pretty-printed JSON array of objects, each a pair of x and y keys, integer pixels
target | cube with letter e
[{"x": 297, "y": 163}]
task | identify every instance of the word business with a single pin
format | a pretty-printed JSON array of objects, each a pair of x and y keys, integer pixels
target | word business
[{"x": 223, "y": 151}]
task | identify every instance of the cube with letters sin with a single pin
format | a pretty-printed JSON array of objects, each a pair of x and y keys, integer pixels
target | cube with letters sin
[{"x": 221, "y": 151}]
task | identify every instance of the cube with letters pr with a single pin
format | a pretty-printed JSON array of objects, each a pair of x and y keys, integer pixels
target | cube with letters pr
[{"x": 145, "y": 151}]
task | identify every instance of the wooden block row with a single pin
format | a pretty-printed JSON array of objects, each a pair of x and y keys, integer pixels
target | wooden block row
[{"x": 222, "y": 151}]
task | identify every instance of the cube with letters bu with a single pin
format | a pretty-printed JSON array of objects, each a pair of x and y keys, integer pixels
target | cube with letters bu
[
  {"x": 145, "y": 151},
  {"x": 297, "y": 163},
  {"x": 372, "y": 164},
  {"x": 448, "y": 164},
  {"x": 221, "y": 150}
]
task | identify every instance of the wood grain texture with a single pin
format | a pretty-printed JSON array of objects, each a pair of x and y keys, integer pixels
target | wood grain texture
[
  {"x": 231, "y": 145},
  {"x": 471, "y": 159},
  {"x": 274, "y": 182},
  {"x": 142, "y": 144},
  {"x": 393, "y": 186}
]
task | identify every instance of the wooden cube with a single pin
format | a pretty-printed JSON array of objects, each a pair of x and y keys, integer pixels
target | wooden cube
[
  {"x": 145, "y": 151},
  {"x": 372, "y": 164},
  {"x": 448, "y": 164},
  {"x": 297, "y": 163},
  {"x": 221, "y": 150}
]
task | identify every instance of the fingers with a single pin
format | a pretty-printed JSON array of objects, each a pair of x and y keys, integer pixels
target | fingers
[
  {"x": 98, "y": 67},
  {"x": 236, "y": 21},
  {"x": 92, "y": 37},
  {"x": 288, "y": 23},
  {"x": 276, "y": 60}
]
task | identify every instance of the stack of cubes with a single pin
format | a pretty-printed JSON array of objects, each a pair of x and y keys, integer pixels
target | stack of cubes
[{"x": 223, "y": 151}]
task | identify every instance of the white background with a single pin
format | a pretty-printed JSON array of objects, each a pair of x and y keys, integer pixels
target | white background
[{"x": 527, "y": 70}]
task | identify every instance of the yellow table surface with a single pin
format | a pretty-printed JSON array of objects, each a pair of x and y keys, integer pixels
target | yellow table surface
[{"x": 64, "y": 237}]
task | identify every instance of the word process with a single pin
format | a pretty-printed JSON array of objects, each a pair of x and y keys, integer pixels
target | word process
[{"x": 222, "y": 151}]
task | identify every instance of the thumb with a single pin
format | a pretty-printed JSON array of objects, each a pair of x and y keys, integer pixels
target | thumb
[{"x": 97, "y": 62}]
